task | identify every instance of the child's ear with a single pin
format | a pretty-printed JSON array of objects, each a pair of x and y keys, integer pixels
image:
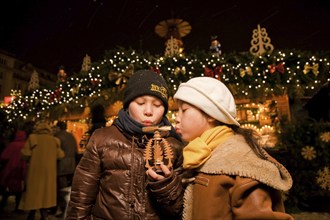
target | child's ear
[{"x": 210, "y": 119}]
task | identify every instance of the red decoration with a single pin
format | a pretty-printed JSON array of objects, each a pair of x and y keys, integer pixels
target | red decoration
[
  {"x": 8, "y": 99},
  {"x": 215, "y": 73},
  {"x": 279, "y": 68},
  {"x": 155, "y": 69},
  {"x": 95, "y": 82},
  {"x": 56, "y": 95}
]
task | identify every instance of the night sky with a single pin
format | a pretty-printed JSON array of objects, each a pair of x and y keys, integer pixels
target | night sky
[{"x": 49, "y": 34}]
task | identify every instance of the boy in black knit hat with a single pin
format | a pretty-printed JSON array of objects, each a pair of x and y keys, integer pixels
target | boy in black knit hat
[
  {"x": 146, "y": 82},
  {"x": 110, "y": 181}
]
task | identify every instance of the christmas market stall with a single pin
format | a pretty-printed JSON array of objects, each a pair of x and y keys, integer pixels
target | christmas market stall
[{"x": 271, "y": 88}]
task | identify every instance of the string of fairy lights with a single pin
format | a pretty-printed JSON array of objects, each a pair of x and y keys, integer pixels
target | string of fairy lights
[{"x": 247, "y": 76}]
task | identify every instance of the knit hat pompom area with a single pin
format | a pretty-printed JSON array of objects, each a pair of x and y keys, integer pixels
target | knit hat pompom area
[
  {"x": 211, "y": 96},
  {"x": 146, "y": 82}
]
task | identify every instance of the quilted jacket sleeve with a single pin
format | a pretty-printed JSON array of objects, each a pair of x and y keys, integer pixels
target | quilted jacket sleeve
[
  {"x": 169, "y": 194},
  {"x": 85, "y": 184}
]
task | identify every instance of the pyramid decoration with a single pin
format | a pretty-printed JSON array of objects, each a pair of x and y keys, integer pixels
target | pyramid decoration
[{"x": 173, "y": 30}]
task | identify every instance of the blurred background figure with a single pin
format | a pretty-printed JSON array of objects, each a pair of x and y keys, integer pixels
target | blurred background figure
[
  {"x": 98, "y": 118},
  {"x": 13, "y": 170},
  {"x": 65, "y": 167},
  {"x": 41, "y": 150}
]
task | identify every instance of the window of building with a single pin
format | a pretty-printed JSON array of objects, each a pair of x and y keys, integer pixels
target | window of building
[{"x": 3, "y": 61}]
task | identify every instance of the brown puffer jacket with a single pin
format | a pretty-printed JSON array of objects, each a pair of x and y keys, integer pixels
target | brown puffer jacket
[{"x": 110, "y": 181}]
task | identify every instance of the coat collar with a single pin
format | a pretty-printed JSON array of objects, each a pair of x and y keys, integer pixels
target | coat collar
[{"x": 235, "y": 157}]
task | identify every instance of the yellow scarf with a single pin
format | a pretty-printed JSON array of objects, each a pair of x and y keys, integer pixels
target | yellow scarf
[{"x": 199, "y": 150}]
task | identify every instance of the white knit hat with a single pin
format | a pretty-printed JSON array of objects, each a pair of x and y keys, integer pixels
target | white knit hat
[{"x": 211, "y": 96}]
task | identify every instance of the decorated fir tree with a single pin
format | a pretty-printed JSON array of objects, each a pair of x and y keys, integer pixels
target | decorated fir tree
[
  {"x": 34, "y": 81},
  {"x": 260, "y": 42},
  {"x": 86, "y": 66}
]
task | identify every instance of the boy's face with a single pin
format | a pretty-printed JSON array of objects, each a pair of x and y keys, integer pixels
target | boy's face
[
  {"x": 147, "y": 110},
  {"x": 190, "y": 121}
]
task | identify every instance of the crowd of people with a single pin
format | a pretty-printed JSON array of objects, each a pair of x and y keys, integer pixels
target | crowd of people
[
  {"x": 142, "y": 167},
  {"x": 36, "y": 167}
]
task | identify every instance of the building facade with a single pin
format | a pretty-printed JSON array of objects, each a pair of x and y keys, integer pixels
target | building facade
[{"x": 16, "y": 75}]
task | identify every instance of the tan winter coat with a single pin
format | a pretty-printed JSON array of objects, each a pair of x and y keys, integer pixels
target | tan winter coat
[
  {"x": 41, "y": 150},
  {"x": 235, "y": 184}
]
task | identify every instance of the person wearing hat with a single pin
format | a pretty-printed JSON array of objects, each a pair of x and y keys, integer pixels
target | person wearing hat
[
  {"x": 42, "y": 151},
  {"x": 110, "y": 181},
  {"x": 234, "y": 178}
]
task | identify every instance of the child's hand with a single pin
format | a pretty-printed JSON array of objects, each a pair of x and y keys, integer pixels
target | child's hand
[{"x": 156, "y": 176}]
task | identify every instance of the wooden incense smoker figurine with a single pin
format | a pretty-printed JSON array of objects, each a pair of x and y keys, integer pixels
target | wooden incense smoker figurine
[{"x": 157, "y": 151}]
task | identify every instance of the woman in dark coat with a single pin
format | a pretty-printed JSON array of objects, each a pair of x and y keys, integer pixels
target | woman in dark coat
[{"x": 13, "y": 172}]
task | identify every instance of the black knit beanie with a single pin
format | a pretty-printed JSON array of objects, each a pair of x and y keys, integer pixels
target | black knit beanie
[{"x": 146, "y": 82}]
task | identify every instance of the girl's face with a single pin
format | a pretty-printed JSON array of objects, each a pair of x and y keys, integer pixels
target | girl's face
[
  {"x": 191, "y": 122},
  {"x": 147, "y": 110}
]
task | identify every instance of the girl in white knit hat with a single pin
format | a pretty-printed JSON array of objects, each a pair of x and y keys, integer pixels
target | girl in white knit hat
[{"x": 233, "y": 177}]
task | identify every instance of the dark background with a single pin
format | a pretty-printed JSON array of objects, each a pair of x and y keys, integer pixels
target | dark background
[{"x": 50, "y": 33}]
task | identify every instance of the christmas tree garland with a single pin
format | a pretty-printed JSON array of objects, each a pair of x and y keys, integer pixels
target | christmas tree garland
[{"x": 295, "y": 73}]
